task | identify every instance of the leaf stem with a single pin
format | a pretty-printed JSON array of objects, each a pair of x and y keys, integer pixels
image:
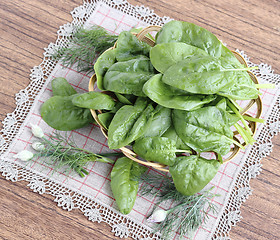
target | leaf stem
[
  {"x": 240, "y": 116},
  {"x": 242, "y": 133},
  {"x": 265, "y": 85},
  {"x": 247, "y": 138},
  {"x": 220, "y": 158},
  {"x": 259, "y": 120},
  {"x": 235, "y": 142},
  {"x": 235, "y": 104}
]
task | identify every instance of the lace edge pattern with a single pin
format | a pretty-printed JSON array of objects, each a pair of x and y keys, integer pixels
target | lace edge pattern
[{"x": 122, "y": 227}]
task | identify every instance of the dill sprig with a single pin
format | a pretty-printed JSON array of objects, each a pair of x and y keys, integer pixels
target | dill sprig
[
  {"x": 189, "y": 213},
  {"x": 84, "y": 46},
  {"x": 63, "y": 152}
]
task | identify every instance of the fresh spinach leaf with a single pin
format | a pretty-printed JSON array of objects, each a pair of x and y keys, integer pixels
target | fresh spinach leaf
[
  {"x": 160, "y": 122},
  {"x": 94, "y": 100},
  {"x": 61, "y": 87},
  {"x": 205, "y": 129},
  {"x": 171, "y": 134},
  {"x": 189, "y": 33},
  {"x": 129, "y": 47},
  {"x": 103, "y": 63},
  {"x": 129, "y": 77},
  {"x": 170, "y": 97},
  {"x": 60, "y": 113},
  {"x": 105, "y": 119},
  {"x": 242, "y": 89},
  {"x": 156, "y": 149},
  {"x": 199, "y": 74},
  {"x": 124, "y": 183},
  {"x": 120, "y": 131},
  {"x": 192, "y": 173},
  {"x": 125, "y": 99},
  {"x": 165, "y": 55}
]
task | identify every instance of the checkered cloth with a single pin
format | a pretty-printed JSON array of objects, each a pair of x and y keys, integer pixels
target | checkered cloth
[{"x": 97, "y": 183}]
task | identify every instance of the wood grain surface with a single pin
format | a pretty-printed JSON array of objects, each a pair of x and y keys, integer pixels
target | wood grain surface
[{"x": 28, "y": 26}]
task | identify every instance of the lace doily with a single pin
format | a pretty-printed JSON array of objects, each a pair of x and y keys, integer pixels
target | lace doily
[{"x": 236, "y": 176}]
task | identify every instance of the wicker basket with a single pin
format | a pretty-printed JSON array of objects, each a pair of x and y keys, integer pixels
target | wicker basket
[{"x": 234, "y": 150}]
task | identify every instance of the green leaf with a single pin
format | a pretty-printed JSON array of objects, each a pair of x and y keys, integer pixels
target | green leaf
[
  {"x": 126, "y": 124},
  {"x": 192, "y": 173},
  {"x": 129, "y": 47},
  {"x": 165, "y": 55},
  {"x": 61, "y": 87},
  {"x": 189, "y": 33},
  {"x": 124, "y": 183},
  {"x": 141, "y": 125},
  {"x": 161, "y": 121},
  {"x": 205, "y": 129},
  {"x": 156, "y": 149},
  {"x": 105, "y": 119},
  {"x": 94, "y": 100},
  {"x": 199, "y": 74},
  {"x": 103, "y": 63},
  {"x": 128, "y": 77},
  {"x": 242, "y": 89},
  {"x": 125, "y": 99},
  {"x": 171, "y": 97},
  {"x": 60, "y": 113},
  {"x": 171, "y": 134}
]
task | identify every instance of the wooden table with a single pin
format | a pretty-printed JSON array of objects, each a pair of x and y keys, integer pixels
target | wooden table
[{"x": 28, "y": 26}]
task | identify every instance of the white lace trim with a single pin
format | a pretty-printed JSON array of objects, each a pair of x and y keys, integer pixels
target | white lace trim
[{"x": 124, "y": 227}]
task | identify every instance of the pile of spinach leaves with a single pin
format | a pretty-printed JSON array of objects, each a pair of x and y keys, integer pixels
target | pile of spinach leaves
[{"x": 171, "y": 98}]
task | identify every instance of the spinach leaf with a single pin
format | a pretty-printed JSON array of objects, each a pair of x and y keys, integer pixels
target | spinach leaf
[
  {"x": 94, "y": 100},
  {"x": 61, "y": 87},
  {"x": 124, "y": 183},
  {"x": 192, "y": 173},
  {"x": 141, "y": 101},
  {"x": 117, "y": 107},
  {"x": 171, "y": 97},
  {"x": 156, "y": 149},
  {"x": 141, "y": 125},
  {"x": 125, "y": 99},
  {"x": 105, "y": 119},
  {"x": 199, "y": 74},
  {"x": 189, "y": 33},
  {"x": 205, "y": 129},
  {"x": 165, "y": 55},
  {"x": 160, "y": 122},
  {"x": 129, "y": 47},
  {"x": 127, "y": 122},
  {"x": 219, "y": 102},
  {"x": 60, "y": 113},
  {"x": 103, "y": 63},
  {"x": 243, "y": 88},
  {"x": 129, "y": 77},
  {"x": 171, "y": 134}
]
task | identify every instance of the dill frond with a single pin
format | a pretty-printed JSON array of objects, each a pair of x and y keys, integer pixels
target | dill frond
[
  {"x": 189, "y": 213},
  {"x": 84, "y": 47},
  {"x": 63, "y": 152}
]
